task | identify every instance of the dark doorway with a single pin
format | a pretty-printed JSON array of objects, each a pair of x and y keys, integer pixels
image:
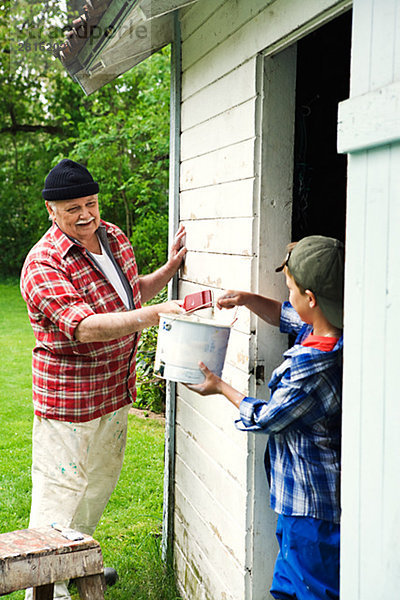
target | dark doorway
[{"x": 323, "y": 77}]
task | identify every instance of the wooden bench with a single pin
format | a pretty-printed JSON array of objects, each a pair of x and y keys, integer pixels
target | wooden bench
[{"x": 37, "y": 558}]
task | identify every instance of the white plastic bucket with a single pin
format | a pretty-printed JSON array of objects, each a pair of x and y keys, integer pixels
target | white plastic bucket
[{"x": 185, "y": 340}]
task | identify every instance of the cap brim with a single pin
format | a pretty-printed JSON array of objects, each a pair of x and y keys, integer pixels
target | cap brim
[{"x": 283, "y": 265}]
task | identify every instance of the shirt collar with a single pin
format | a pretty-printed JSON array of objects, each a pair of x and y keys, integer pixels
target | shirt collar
[{"x": 307, "y": 361}]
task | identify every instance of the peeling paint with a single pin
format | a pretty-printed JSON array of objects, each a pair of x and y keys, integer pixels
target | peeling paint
[
  {"x": 191, "y": 436},
  {"x": 242, "y": 358},
  {"x": 218, "y": 535}
]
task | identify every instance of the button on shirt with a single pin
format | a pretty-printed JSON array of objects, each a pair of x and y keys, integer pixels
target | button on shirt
[
  {"x": 62, "y": 285},
  {"x": 303, "y": 418}
]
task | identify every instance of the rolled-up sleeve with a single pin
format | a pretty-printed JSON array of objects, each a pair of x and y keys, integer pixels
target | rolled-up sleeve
[
  {"x": 50, "y": 295},
  {"x": 286, "y": 406},
  {"x": 292, "y": 404},
  {"x": 248, "y": 408}
]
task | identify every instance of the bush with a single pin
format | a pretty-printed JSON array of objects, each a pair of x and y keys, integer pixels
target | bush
[
  {"x": 150, "y": 241},
  {"x": 150, "y": 389}
]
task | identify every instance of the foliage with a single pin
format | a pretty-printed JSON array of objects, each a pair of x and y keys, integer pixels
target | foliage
[
  {"x": 121, "y": 133},
  {"x": 149, "y": 238},
  {"x": 150, "y": 389},
  {"x": 129, "y": 528},
  {"x": 29, "y": 118},
  {"x": 15, "y": 409}
]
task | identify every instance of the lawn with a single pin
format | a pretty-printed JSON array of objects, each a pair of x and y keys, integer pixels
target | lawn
[{"x": 129, "y": 531}]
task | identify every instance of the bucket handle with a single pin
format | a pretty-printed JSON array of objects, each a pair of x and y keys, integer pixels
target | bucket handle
[
  {"x": 206, "y": 305},
  {"x": 235, "y": 317},
  {"x": 187, "y": 312}
]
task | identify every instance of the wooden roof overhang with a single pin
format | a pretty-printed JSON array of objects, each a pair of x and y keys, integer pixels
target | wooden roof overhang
[{"x": 112, "y": 36}]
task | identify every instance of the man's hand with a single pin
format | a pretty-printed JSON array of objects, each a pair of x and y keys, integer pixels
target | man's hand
[
  {"x": 152, "y": 283},
  {"x": 210, "y": 385},
  {"x": 172, "y": 307},
  {"x": 178, "y": 249}
]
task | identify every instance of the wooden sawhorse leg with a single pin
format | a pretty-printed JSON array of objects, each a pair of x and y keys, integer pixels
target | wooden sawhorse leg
[
  {"x": 43, "y": 592},
  {"x": 91, "y": 587}
]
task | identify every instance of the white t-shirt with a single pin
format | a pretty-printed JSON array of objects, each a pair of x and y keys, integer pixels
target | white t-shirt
[{"x": 111, "y": 273}]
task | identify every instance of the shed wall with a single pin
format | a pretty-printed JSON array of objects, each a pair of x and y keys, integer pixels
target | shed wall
[{"x": 218, "y": 488}]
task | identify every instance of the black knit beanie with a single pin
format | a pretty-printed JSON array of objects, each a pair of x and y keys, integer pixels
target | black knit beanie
[{"x": 69, "y": 180}]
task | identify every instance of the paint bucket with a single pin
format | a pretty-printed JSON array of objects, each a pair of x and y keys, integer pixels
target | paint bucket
[{"x": 185, "y": 340}]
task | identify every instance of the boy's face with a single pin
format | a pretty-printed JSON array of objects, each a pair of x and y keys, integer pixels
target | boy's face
[{"x": 299, "y": 301}]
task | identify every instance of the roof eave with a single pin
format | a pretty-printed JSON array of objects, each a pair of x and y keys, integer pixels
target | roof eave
[{"x": 127, "y": 33}]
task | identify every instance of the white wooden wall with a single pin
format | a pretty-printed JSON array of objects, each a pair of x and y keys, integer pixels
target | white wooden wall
[
  {"x": 369, "y": 129},
  {"x": 224, "y": 535}
]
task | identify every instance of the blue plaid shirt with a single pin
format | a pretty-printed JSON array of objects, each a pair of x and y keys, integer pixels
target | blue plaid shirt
[{"x": 303, "y": 418}]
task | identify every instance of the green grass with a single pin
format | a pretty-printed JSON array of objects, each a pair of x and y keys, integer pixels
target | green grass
[{"x": 129, "y": 531}]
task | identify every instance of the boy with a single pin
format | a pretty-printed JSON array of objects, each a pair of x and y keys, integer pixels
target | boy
[{"x": 302, "y": 417}]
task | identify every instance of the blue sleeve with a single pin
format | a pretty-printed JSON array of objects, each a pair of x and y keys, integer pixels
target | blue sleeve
[
  {"x": 272, "y": 416},
  {"x": 291, "y": 405},
  {"x": 290, "y": 321}
]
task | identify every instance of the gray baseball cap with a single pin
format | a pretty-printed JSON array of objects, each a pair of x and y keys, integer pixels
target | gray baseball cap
[{"x": 317, "y": 264}]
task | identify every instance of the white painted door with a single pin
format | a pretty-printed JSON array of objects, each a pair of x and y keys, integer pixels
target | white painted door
[{"x": 369, "y": 131}]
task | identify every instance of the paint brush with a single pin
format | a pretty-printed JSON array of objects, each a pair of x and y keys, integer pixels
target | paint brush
[{"x": 198, "y": 300}]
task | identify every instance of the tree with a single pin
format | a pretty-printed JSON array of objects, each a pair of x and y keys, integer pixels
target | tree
[{"x": 120, "y": 133}]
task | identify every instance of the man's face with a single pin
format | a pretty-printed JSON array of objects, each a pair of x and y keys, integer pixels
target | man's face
[{"x": 78, "y": 218}]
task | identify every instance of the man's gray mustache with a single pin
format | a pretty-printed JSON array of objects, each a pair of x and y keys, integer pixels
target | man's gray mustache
[{"x": 85, "y": 222}]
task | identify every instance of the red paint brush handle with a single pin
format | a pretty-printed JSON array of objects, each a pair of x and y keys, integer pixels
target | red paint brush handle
[{"x": 198, "y": 300}]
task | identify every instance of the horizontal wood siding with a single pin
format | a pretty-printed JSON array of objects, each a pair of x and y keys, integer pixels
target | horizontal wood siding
[
  {"x": 370, "y": 547},
  {"x": 221, "y": 235},
  {"x": 215, "y": 574},
  {"x": 226, "y": 129},
  {"x": 219, "y": 205},
  {"x": 219, "y": 166},
  {"x": 231, "y": 49},
  {"x": 241, "y": 84},
  {"x": 215, "y": 201},
  {"x": 233, "y": 16},
  {"x": 224, "y": 271}
]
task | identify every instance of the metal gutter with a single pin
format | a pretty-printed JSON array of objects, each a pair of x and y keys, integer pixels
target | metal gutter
[{"x": 108, "y": 25}]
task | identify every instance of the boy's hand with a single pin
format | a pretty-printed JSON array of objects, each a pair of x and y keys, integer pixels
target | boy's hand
[
  {"x": 213, "y": 384},
  {"x": 210, "y": 385},
  {"x": 232, "y": 298}
]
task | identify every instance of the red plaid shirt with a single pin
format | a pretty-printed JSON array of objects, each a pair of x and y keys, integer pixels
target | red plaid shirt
[{"x": 73, "y": 381}]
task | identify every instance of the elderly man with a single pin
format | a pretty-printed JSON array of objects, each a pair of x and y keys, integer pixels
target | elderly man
[{"x": 84, "y": 295}]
